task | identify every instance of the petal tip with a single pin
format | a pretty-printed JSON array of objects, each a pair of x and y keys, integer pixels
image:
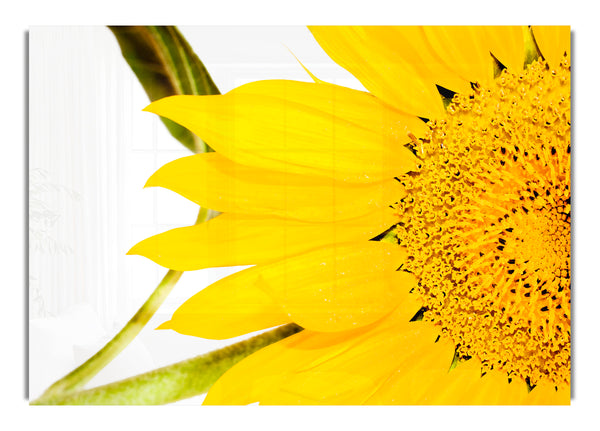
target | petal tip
[
  {"x": 151, "y": 182},
  {"x": 165, "y": 325},
  {"x": 133, "y": 251},
  {"x": 157, "y": 106},
  {"x": 149, "y": 108}
]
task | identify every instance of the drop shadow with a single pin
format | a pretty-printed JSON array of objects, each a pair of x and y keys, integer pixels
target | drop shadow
[
  {"x": 573, "y": 225},
  {"x": 26, "y": 203}
]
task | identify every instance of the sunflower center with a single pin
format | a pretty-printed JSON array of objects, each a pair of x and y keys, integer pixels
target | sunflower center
[{"x": 487, "y": 224}]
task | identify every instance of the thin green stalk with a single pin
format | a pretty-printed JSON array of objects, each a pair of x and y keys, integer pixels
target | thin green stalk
[
  {"x": 86, "y": 371},
  {"x": 174, "y": 382},
  {"x": 165, "y": 65},
  {"x": 82, "y": 374}
]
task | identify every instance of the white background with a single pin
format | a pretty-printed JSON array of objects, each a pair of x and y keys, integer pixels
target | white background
[
  {"x": 586, "y": 154},
  {"x": 91, "y": 149}
]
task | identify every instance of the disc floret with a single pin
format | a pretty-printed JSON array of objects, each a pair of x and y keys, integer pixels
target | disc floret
[{"x": 486, "y": 221}]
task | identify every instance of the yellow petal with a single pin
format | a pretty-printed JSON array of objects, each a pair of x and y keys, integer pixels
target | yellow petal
[
  {"x": 547, "y": 394},
  {"x": 494, "y": 389},
  {"x": 232, "y": 306},
  {"x": 340, "y": 287},
  {"x": 553, "y": 41},
  {"x": 231, "y": 239},
  {"x": 465, "y": 385},
  {"x": 425, "y": 365},
  {"x": 465, "y": 49},
  {"x": 312, "y": 75},
  {"x": 212, "y": 181},
  {"x": 383, "y": 65},
  {"x": 302, "y": 128},
  {"x": 326, "y": 368},
  {"x": 506, "y": 43},
  {"x": 262, "y": 372},
  {"x": 322, "y": 290},
  {"x": 453, "y": 387}
]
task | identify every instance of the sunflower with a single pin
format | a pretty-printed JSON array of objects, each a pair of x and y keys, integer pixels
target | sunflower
[{"x": 418, "y": 232}]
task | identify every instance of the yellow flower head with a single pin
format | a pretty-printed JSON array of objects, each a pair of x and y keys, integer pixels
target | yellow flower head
[{"x": 420, "y": 233}]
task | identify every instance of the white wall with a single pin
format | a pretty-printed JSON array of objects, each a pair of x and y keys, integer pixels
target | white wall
[{"x": 91, "y": 151}]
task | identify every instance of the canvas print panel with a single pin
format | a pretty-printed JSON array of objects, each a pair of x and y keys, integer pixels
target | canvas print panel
[{"x": 409, "y": 237}]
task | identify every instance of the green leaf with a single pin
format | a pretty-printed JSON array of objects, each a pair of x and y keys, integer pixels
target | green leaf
[{"x": 166, "y": 65}]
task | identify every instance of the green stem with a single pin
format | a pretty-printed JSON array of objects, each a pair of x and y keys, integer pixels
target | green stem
[
  {"x": 86, "y": 371},
  {"x": 165, "y": 65},
  {"x": 82, "y": 374},
  {"x": 174, "y": 382}
]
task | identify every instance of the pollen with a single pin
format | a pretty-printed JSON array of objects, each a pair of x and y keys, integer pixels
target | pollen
[{"x": 486, "y": 221}]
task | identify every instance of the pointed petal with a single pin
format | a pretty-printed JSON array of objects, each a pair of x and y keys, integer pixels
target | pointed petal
[
  {"x": 411, "y": 382},
  {"x": 341, "y": 287},
  {"x": 382, "y": 65},
  {"x": 506, "y": 43},
  {"x": 262, "y": 372},
  {"x": 231, "y": 307},
  {"x": 410, "y": 43},
  {"x": 547, "y": 394},
  {"x": 322, "y": 290},
  {"x": 312, "y": 75},
  {"x": 212, "y": 181},
  {"x": 453, "y": 387},
  {"x": 469, "y": 387},
  {"x": 230, "y": 239},
  {"x": 302, "y": 128},
  {"x": 326, "y": 368},
  {"x": 465, "y": 49},
  {"x": 553, "y": 41},
  {"x": 464, "y": 385},
  {"x": 494, "y": 389}
]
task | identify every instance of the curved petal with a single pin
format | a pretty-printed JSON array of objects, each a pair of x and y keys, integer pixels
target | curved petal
[
  {"x": 322, "y": 290},
  {"x": 547, "y": 394},
  {"x": 326, "y": 290},
  {"x": 465, "y": 385},
  {"x": 302, "y": 128},
  {"x": 263, "y": 372},
  {"x": 213, "y": 181},
  {"x": 465, "y": 49},
  {"x": 494, "y": 388},
  {"x": 231, "y": 307},
  {"x": 329, "y": 368},
  {"x": 231, "y": 239},
  {"x": 411, "y": 382},
  {"x": 390, "y": 62},
  {"x": 553, "y": 41},
  {"x": 507, "y": 44}
]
